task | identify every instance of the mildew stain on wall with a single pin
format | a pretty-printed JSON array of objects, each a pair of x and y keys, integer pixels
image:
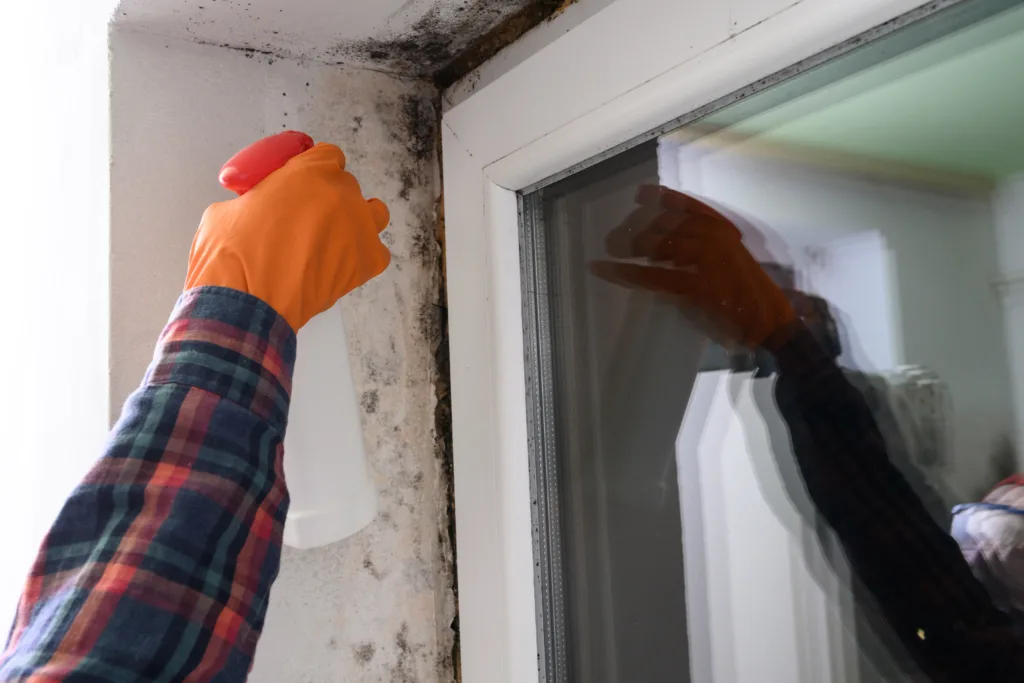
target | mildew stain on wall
[{"x": 381, "y": 605}]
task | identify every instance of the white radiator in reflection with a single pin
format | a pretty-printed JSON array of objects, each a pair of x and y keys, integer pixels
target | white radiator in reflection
[{"x": 756, "y": 574}]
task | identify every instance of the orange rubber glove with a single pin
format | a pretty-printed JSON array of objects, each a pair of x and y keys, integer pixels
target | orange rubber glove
[
  {"x": 302, "y": 238},
  {"x": 701, "y": 260}
]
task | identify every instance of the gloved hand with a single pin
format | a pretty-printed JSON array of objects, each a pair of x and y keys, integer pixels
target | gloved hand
[
  {"x": 302, "y": 238},
  {"x": 701, "y": 260}
]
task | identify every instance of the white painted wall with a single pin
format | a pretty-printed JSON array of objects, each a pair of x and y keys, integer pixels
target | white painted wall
[
  {"x": 55, "y": 332},
  {"x": 1008, "y": 209},
  {"x": 945, "y": 260},
  {"x": 378, "y": 605},
  {"x": 857, "y": 276}
]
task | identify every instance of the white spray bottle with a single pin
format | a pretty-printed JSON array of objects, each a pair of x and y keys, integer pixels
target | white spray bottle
[{"x": 332, "y": 493}]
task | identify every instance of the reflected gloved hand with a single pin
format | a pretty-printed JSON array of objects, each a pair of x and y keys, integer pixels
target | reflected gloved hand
[
  {"x": 695, "y": 253},
  {"x": 302, "y": 238}
]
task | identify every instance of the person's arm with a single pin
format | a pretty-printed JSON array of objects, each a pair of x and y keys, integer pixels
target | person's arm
[
  {"x": 913, "y": 568},
  {"x": 160, "y": 564}
]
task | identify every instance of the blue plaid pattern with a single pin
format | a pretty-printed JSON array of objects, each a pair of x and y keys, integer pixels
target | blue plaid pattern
[{"x": 160, "y": 564}]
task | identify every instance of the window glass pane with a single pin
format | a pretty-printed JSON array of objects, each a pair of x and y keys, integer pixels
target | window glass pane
[{"x": 779, "y": 459}]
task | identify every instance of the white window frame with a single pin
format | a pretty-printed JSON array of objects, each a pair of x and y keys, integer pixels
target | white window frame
[{"x": 620, "y": 72}]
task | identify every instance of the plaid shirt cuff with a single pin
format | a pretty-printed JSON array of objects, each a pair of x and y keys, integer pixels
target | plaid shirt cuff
[
  {"x": 160, "y": 564},
  {"x": 231, "y": 344}
]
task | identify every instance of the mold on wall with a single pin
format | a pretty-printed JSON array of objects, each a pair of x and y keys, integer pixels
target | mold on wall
[
  {"x": 412, "y": 38},
  {"x": 446, "y": 43},
  {"x": 383, "y": 604},
  {"x": 380, "y": 605},
  {"x": 491, "y": 42}
]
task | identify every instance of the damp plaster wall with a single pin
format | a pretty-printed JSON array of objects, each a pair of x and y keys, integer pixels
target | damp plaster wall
[
  {"x": 407, "y": 37},
  {"x": 377, "y": 606}
]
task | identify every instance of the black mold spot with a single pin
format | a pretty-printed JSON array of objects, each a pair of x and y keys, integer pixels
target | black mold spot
[
  {"x": 357, "y": 122},
  {"x": 501, "y": 34},
  {"x": 443, "y": 453},
  {"x": 369, "y": 566},
  {"x": 249, "y": 52},
  {"x": 375, "y": 374},
  {"x": 408, "y": 178},
  {"x": 424, "y": 249},
  {"x": 332, "y": 644},
  {"x": 419, "y": 117},
  {"x": 413, "y": 123},
  {"x": 370, "y": 401},
  {"x": 429, "y": 319},
  {"x": 428, "y": 45},
  {"x": 402, "y": 639},
  {"x": 402, "y": 671},
  {"x": 364, "y": 653},
  {"x": 441, "y": 36}
]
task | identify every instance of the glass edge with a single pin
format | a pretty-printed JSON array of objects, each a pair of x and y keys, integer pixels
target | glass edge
[
  {"x": 544, "y": 485},
  {"x": 948, "y": 15}
]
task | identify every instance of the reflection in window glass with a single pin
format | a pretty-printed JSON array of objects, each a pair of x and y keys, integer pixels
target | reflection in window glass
[{"x": 791, "y": 457}]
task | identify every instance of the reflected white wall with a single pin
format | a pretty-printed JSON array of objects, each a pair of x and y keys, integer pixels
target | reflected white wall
[{"x": 1008, "y": 210}]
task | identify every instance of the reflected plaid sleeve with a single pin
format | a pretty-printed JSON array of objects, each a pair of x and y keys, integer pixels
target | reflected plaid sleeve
[
  {"x": 912, "y": 567},
  {"x": 159, "y": 566}
]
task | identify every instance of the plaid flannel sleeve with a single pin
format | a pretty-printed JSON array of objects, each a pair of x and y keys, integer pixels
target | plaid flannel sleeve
[
  {"x": 912, "y": 567},
  {"x": 159, "y": 566}
]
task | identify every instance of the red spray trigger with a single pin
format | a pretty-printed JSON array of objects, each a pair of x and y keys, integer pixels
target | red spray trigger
[{"x": 246, "y": 169}]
